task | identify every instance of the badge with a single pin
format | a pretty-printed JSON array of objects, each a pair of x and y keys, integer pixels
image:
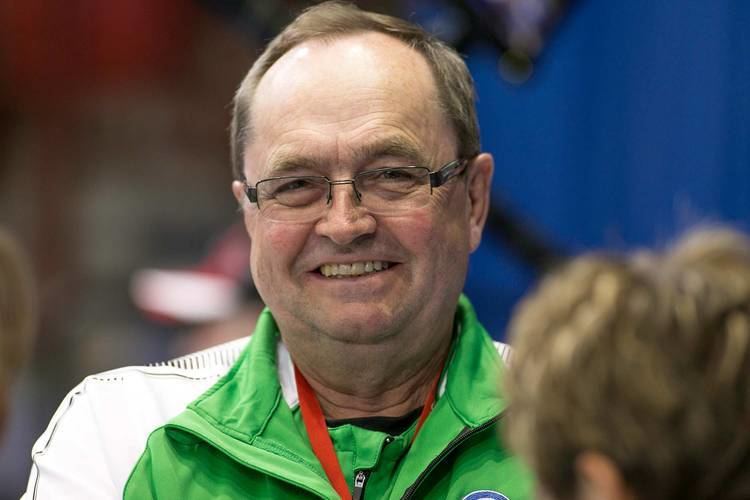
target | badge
[{"x": 485, "y": 495}]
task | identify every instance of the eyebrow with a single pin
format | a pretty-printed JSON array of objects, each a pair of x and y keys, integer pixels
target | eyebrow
[
  {"x": 291, "y": 164},
  {"x": 393, "y": 146}
]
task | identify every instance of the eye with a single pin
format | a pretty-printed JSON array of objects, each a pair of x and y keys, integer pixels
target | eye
[
  {"x": 290, "y": 185},
  {"x": 293, "y": 191},
  {"x": 392, "y": 183},
  {"x": 396, "y": 175}
]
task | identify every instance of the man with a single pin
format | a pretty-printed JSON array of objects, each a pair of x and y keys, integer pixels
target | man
[
  {"x": 355, "y": 150},
  {"x": 631, "y": 376}
]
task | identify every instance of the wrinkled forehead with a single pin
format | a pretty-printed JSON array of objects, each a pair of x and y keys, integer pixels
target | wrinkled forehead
[{"x": 366, "y": 82}]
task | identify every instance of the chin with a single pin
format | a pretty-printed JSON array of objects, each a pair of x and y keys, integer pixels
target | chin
[{"x": 355, "y": 325}]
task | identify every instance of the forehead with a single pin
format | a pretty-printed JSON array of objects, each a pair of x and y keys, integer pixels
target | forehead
[{"x": 328, "y": 99}]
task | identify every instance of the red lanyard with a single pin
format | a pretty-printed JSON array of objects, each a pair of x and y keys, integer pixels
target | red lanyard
[{"x": 317, "y": 431}]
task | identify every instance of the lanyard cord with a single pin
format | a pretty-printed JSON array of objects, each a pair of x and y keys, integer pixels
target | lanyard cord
[{"x": 320, "y": 440}]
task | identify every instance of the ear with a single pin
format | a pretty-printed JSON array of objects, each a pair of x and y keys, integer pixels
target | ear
[
  {"x": 479, "y": 183},
  {"x": 600, "y": 479},
  {"x": 239, "y": 192},
  {"x": 248, "y": 215}
]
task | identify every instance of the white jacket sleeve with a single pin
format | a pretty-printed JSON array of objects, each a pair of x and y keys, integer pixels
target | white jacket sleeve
[
  {"x": 99, "y": 431},
  {"x": 82, "y": 453}
]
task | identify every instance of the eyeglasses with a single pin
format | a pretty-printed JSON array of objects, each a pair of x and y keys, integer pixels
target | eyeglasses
[{"x": 382, "y": 191}]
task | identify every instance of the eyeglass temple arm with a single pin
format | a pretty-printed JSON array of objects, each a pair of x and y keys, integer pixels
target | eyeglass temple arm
[
  {"x": 251, "y": 192},
  {"x": 446, "y": 173}
]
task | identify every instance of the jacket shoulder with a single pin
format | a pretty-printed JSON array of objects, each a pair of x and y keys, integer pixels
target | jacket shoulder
[{"x": 100, "y": 429}]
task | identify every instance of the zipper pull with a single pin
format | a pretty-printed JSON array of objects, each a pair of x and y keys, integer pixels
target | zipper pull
[{"x": 359, "y": 484}]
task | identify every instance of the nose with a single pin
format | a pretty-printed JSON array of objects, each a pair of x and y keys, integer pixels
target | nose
[{"x": 345, "y": 219}]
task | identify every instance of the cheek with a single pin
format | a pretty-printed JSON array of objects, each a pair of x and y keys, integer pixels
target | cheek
[
  {"x": 430, "y": 236},
  {"x": 276, "y": 245},
  {"x": 442, "y": 228},
  {"x": 278, "y": 241},
  {"x": 456, "y": 221},
  {"x": 414, "y": 232},
  {"x": 271, "y": 255}
]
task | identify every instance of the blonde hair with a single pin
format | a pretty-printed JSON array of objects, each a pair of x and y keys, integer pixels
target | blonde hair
[
  {"x": 645, "y": 359},
  {"x": 333, "y": 19}
]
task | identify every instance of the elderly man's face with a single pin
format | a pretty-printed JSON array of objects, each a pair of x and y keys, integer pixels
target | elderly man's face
[{"x": 327, "y": 108}]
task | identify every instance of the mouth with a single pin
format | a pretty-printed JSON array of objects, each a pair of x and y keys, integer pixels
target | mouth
[{"x": 353, "y": 269}]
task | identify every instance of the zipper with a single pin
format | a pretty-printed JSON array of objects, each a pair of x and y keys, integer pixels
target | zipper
[
  {"x": 462, "y": 437},
  {"x": 359, "y": 484}
]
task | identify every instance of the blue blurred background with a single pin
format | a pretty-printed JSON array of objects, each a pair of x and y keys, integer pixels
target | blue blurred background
[
  {"x": 613, "y": 124},
  {"x": 634, "y": 126}
]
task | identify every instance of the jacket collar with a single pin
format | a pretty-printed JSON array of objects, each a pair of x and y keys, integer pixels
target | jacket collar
[
  {"x": 245, "y": 398},
  {"x": 474, "y": 370},
  {"x": 249, "y": 415}
]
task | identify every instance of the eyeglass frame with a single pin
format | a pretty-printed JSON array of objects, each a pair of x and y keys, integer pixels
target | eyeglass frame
[{"x": 439, "y": 177}]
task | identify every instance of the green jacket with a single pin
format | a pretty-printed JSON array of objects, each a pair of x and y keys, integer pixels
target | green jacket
[{"x": 242, "y": 439}]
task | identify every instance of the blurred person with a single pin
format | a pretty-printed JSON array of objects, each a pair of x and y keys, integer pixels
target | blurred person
[
  {"x": 630, "y": 377},
  {"x": 363, "y": 190},
  {"x": 211, "y": 302},
  {"x": 17, "y": 316}
]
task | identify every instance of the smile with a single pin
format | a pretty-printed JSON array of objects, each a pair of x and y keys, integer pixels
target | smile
[{"x": 354, "y": 269}]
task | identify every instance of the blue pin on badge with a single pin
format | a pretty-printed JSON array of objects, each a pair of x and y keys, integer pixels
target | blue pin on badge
[{"x": 485, "y": 495}]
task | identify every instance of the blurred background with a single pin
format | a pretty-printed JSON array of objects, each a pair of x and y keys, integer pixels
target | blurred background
[{"x": 613, "y": 124}]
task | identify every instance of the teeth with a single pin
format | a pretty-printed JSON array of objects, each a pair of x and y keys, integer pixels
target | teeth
[{"x": 356, "y": 269}]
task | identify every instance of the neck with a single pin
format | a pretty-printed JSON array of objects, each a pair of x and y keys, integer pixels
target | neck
[{"x": 368, "y": 381}]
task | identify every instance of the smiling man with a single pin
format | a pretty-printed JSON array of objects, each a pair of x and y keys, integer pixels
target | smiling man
[{"x": 363, "y": 190}]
